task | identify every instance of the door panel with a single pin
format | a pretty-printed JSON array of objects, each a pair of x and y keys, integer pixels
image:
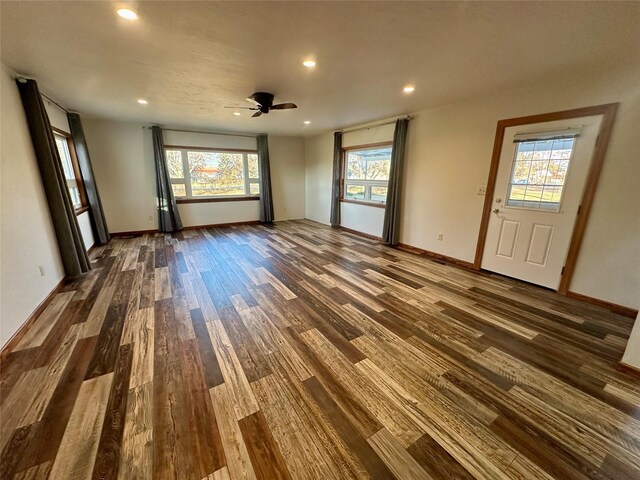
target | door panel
[
  {"x": 540, "y": 244},
  {"x": 508, "y": 238},
  {"x": 539, "y": 185}
]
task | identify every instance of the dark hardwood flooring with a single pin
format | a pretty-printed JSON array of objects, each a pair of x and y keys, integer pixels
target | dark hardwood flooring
[{"x": 297, "y": 351}]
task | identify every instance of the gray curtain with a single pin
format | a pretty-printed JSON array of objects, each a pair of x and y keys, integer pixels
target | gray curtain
[
  {"x": 334, "y": 219},
  {"x": 63, "y": 216},
  {"x": 391, "y": 225},
  {"x": 266, "y": 197},
  {"x": 98, "y": 221},
  {"x": 168, "y": 215}
]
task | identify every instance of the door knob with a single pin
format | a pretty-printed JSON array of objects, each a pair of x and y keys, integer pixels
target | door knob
[
  {"x": 498, "y": 200},
  {"x": 496, "y": 210}
]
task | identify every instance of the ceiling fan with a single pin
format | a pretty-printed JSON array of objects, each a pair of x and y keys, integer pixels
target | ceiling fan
[{"x": 264, "y": 103}]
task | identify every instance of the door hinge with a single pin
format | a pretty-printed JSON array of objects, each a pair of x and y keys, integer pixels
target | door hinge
[
  {"x": 562, "y": 272},
  {"x": 579, "y": 208}
]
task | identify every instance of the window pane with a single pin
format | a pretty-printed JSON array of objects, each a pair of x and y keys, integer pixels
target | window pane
[
  {"x": 253, "y": 165},
  {"x": 539, "y": 171},
  {"x": 354, "y": 192},
  {"x": 254, "y": 189},
  {"x": 174, "y": 163},
  {"x": 65, "y": 157},
  {"x": 368, "y": 164},
  {"x": 179, "y": 190},
  {"x": 356, "y": 168},
  {"x": 74, "y": 193},
  {"x": 216, "y": 173},
  {"x": 67, "y": 167},
  {"x": 379, "y": 194}
]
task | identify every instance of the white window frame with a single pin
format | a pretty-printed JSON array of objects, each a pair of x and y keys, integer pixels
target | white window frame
[
  {"x": 365, "y": 183},
  {"x": 76, "y": 181},
  {"x": 539, "y": 206},
  {"x": 186, "y": 179}
]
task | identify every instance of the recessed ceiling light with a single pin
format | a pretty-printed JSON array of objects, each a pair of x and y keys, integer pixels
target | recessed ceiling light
[
  {"x": 237, "y": 114},
  {"x": 408, "y": 89},
  {"x": 309, "y": 63},
  {"x": 307, "y": 122},
  {"x": 142, "y": 101},
  {"x": 127, "y": 14}
]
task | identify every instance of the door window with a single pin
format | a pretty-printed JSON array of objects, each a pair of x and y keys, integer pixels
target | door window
[{"x": 539, "y": 174}]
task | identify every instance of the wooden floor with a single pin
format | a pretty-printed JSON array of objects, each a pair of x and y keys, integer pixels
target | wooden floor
[{"x": 298, "y": 351}]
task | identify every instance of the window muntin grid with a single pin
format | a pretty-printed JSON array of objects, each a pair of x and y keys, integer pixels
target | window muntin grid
[{"x": 539, "y": 173}]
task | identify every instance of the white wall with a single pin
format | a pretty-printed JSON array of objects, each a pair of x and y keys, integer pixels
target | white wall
[
  {"x": 448, "y": 157},
  {"x": 27, "y": 239},
  {"x": 631, "y": 355},
  {"x": 123, "y": 164}
]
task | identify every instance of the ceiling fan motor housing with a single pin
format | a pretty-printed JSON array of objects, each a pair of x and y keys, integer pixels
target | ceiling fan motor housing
[{"x": 264, "y": 100}]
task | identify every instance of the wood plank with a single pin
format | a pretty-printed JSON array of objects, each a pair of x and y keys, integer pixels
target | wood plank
[
  {"x": 265, "y": 455},
  {"x": 396, "y": 457},
  {"x": 236, "y": 454},
  {"x": 136, "y": 459},
  {"x": 45, "y": 322},
  {"x": 108, "y": 454},
  {"x": 79, "y": 445}
]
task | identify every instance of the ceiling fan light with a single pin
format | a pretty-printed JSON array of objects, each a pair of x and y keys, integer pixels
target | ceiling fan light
[
  {"x": 309, "y": 63},
  {"x": 408, "y": 89},
  {"x": 307, "y": 122}
]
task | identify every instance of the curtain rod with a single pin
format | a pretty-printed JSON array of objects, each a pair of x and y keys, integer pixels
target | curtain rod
[
  {"x": 54, "y": 102},
  {"x": 209, "y": 133},
  {"x": 368, "y": 127}
]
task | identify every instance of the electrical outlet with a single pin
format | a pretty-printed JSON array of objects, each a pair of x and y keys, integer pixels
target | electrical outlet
[
  {"x": 41, "y": 268},
  {"x": 482, "y": 190},
  {"x": 440, "y": 236}
]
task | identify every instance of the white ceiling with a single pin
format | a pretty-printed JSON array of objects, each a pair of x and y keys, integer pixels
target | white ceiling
[{"x": 189, "y": 59}]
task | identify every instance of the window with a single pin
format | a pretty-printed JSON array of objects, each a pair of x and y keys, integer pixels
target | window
[
  {"x": 202, "y": 174},
  {"x": 71, "y": 170},
  {"x": 366, "y": 174},
  {"x": 539, "y": 173}
]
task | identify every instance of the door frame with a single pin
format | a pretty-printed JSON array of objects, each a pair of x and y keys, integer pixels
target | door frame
[{"x": 608, "y": 112}]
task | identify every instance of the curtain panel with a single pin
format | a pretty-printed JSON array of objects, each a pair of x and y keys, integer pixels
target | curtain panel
[
  {"x": 334, "y": 218},
  {"x": 63, "y": 216},
  {"x": 391, "y": 225},
  {"x": 98, "y": 221},
  {"x": 168, "y": 216},
  {"x": 266, "y": 196}
]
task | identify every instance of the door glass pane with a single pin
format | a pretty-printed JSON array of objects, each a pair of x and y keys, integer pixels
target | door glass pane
[
  {"x": 539, "y": 172},
  {"x": 354, "y": 192},
  {"x": 216, "y": 173}
]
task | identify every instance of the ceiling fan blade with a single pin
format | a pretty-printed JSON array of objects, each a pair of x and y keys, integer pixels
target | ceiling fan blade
[
  {"x": 244, "y": 108},
  {"x": 283, "y": 106},
  {"x": 257, "y": 114}
]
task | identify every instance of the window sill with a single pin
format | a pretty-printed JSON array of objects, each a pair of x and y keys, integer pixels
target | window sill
[
  {"x": 243, "y": 198},
  {"x": 81, "y": 210},
  {"x": 365, "y": 203}
]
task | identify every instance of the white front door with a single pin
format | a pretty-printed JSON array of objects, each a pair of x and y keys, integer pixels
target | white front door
[{"x": 541, "y": 176}]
